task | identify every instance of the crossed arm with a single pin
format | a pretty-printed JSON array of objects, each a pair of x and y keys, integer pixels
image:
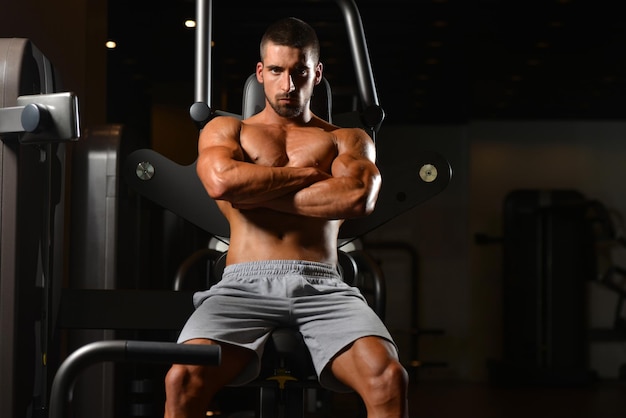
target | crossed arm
[{"x": 349, "y": 190}]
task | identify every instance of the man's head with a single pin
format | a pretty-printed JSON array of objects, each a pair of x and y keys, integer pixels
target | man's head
[
  {"x": 294, "y": 33},
  {"x": 289, "y": 68}
]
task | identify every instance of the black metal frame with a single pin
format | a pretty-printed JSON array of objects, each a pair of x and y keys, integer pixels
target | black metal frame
[{"x": 35, "y": 122}]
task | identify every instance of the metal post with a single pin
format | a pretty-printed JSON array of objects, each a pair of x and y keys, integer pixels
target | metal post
[
  {"x": 200, "y": 110},
  {"x": 204, "y": 24},
  {"x": 360, "y": 55}
]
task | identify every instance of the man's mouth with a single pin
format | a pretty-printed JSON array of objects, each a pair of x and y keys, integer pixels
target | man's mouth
[{"x": 288, "y": 101}]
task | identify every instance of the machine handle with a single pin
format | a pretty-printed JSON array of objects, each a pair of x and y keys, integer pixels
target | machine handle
[{"x": 120, "y": 350}]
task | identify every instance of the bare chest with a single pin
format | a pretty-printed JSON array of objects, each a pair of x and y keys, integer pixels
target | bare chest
[{"x": 291, "y": 147}]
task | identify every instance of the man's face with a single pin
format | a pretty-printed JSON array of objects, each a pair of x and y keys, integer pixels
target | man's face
[{"x": 288, "y": 76}]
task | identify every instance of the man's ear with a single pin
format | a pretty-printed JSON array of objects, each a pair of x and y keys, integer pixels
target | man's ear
[
  {"x": 259, "y": 72},
  {"x": 319, "y": 69}
]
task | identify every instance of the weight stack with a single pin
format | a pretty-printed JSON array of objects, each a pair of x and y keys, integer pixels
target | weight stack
[{"x": 548, "y": 252}]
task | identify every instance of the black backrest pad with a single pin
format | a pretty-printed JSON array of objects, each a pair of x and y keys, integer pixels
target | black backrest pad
[{"x": 254, "y": 99}]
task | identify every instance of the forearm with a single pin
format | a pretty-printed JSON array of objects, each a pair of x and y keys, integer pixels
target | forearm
[
  {"x": 245, "y": 183},
  {"x": 334, "y": 198},
  {"x": 350, "y": 193}
]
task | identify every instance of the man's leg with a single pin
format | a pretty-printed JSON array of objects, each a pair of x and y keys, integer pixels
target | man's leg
[
  {"x": 371, "y": 367},
  {"x": 190, "y": 388}
]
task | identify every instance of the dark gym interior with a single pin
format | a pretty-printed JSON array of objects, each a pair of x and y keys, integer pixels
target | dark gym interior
[{"x": 504, "y": 279}]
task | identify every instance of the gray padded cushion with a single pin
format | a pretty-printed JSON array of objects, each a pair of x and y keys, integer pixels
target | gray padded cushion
[{"x": 254, "y": 99}]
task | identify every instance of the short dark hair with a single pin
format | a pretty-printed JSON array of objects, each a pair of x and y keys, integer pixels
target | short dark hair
[{"x": 294, "y": 33}]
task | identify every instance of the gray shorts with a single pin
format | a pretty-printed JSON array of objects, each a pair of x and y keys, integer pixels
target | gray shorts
[{"x": 253, "y": 298}]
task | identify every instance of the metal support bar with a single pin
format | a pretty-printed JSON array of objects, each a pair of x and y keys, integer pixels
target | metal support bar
[
  {"x": 360, "y": 55},
  {"x": 127, "y": 351},
  {"x": 204, "y": 17},
  {"x": 200, "y": 111}
]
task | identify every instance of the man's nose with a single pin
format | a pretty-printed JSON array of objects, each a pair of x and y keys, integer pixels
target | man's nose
[{"x": 288, "y": 86}]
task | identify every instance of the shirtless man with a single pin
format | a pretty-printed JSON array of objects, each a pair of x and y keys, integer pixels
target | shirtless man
[{"x": 285, "y": 179}]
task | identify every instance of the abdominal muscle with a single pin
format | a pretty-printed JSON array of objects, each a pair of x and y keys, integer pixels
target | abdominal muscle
[{"x": 263, "y": 234}]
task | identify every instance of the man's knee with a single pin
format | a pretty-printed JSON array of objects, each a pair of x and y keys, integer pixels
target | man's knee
[
  {"x": 187, "y": 390},
  {"x": 183, "y": 378},
  {"x": 396, "y": 375},
  {"x": 388, "y": 388}
]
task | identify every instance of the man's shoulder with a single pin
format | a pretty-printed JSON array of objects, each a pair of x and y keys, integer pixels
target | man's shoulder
[
  {"x": 331, "y": 127},
  {"x": 226, "y": 120},
  {"x": 352, "y": 133},
  {"x": 223, "y": 124}
]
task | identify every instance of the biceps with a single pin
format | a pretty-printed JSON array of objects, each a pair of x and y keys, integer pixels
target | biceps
[{"x": 360, "y": 169}]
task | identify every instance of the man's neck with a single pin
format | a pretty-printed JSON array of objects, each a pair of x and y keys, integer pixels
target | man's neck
[{"x": 269, "y": 116}]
